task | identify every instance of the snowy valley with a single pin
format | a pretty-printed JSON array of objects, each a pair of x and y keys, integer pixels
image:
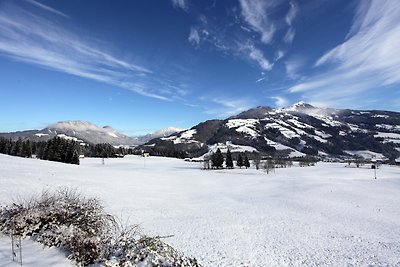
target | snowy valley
[{"x": 330, "y": 214}]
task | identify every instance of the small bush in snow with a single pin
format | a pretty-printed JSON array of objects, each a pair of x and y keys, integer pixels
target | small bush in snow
[{"x": 81, "y": 227}]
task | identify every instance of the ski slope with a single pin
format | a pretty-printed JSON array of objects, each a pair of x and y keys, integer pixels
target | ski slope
[{"x": 326, "y": 215}]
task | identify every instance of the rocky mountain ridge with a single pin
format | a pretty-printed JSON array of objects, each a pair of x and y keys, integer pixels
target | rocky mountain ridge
[
  {"x": 87, "y": 132},
  {"x": 295, "y": 131}
]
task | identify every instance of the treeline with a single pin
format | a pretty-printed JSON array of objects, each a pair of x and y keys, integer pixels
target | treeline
[
  {"x": 60, "y": 149},
  {"x": 104, "y": 151},
  {"x": 16, "y": 148},
  {"x": 217, "y": 161},
  {"x": 56, "y": 149}
]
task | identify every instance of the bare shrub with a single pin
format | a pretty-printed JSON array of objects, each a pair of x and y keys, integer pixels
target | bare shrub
[{"x": 79, "y": 225}]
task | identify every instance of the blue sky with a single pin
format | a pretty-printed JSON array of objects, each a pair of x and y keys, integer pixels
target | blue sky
[{"x": 143, "y": 65}]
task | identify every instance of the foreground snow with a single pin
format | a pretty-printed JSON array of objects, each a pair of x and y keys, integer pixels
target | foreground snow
[{"x": 327, "y": 215}]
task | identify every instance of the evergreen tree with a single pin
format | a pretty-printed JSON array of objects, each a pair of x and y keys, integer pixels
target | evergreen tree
[
  {"x": 246, "y": 161},
  {"x": 75, "y": 157},
  {"x": 217, "y": 159},
  {"x": 239, "y": 161},
  {"x": 17, "y": 148},
  {"x": 229, "y": 161},
  {"x": 27, "y": 149}
]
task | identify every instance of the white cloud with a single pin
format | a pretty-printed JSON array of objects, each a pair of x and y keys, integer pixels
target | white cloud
[
  {"x": 280, "y": 102},
  {"x": 258, "y": 56},
  {"x": 289, "y": 36},
  {"x": 183, "y": 4},
  {"x": 47, "y": 8},
  {"x": 260, "y": 79},
  {"x": 229, "y": 107},
  {"x": 194, "y": 36},
  {"x": 28, "y": 38},
  {"x": 279, "y": 54},
  {"x": 293, "y": 66},
  {"x": 291, "y": 15},
  {"x": 367, "y": 60},
  {"x": 256, "y": 12}
]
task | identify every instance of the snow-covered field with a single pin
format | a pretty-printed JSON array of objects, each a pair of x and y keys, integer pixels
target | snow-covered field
[{"x": 327, "y": 215}]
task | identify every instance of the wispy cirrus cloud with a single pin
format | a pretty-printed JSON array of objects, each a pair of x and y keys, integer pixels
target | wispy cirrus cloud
[
  {"x": 260, "y": 17},
  {"x": 258, "y": 56},
  {"x": 237, "y": 33},
  {"x": 228, "y": 107},
  {"x": 47, "y": 8},
  {"x": 256, "y": 14},
  {"x": 367, "y": 60},
  {"x": 29, "y": 38},
  {"x": 280, "y": 102},
  {"x": 293, "y": 66},
  {"x": 182, "y": 4},
  {"x": 194, "y": 36}
]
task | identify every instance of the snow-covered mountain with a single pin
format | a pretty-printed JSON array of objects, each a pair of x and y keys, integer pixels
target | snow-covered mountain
[
  {"x": 87, "y": 132},
  {"x": 82, "y": 131},
  {"x": 158, "y": 134},
  {"x": 298, "y": 130}
]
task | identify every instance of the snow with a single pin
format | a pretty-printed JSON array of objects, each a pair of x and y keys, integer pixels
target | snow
[
  {"x": 67, "y": 137},
  {"x": 388, "y": 127},
  {"x": 389, "y": 137},
  {"x": 184, "y": 137},
  {"x": 188, "y": 134},
  {"x": 246, "y": 126},
  {"x": 366, "y": 154},
  {"x": 41, "y": 134},
  {"x": 278, "y": 146},
  {"x": 78, "y": 126},
  {"x": 327, "y": 215},
  {"x": 380, "y": 116},
  {"x": 112, "y": 134},
  {"x": 284, "y": 131},
  {"x": 33, "y": 254},
  {"x": 232, "y": 147}
]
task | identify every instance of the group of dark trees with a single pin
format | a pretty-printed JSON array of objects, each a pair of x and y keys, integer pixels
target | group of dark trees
[
  {"x": 60, "y": 149},
  {"x": 56, "y": 149},
  {"x": 268, "y": 164},
  {"x": 104, "y": 151},
  {"x": 16, "y": 148},
  {"x": 217, "y": 160}
]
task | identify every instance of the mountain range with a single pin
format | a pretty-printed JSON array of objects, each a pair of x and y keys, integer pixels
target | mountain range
[
  {"x": 295, "y": 131},
  {"x": 86, "y": 132}
]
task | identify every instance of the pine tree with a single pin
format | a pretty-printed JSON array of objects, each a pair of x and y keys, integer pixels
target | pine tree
[
  {"x": 17, "y": 148},
  {"x": 229, "y": 161},
  {"x": 246, "y": 162},
  {"x": 27, "y": 149},
  {"x": 75, "y": 157},
  {"x": 217, "y": 159},
  {"x": 239, "y": 161}
]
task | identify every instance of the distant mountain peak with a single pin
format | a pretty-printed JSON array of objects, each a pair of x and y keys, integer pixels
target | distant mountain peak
[
  {"x": 159, "y": 134},
  {"x": 257, "y": 112},
  {"x": 74, "y": 125},
  {"x": 299, "y": 106}
]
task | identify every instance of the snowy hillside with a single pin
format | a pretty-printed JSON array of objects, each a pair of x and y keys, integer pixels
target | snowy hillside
[
  {"x": 301, "y": 129},
  {"x": 81, "y": 131},
  {"x": 327, "y": 215},
  {"x": 158, "y": 134},
  {"x": 87, "y": 132}
]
